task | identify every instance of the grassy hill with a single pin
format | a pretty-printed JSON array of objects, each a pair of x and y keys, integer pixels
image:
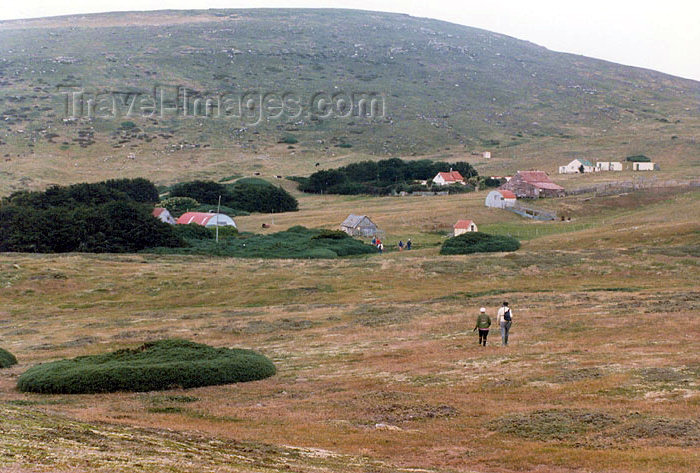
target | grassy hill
[{"x": 448, "y": 90}]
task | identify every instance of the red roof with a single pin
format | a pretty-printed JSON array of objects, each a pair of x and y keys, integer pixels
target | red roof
[
  {"x": 507, "y": 194},
  {"x": 157, "y": 211},
  {"x": 466, "y": 224},
  {"x": 539, "y": 179},
  {"x": 200, "y": 218},
  {"x": 452, "y": 176}
]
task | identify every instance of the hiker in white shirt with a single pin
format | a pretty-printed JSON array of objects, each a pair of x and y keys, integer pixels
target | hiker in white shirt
[{"x": 504, "y": 320}]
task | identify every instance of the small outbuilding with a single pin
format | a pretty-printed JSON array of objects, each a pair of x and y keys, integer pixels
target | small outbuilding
[
  {"x": 206, "y": 219},
  {"x": 641, "y": 166},
  {"x": 464, "y": 226},
  {"x": 608, "y": 166},
  {"x": 447, "y": 178},
  {"x": 577, "y": 166},
  {"x": 163, "y": 215},
  {"x": 359, "y": 225},
  {"x": 500, "y": 199}
]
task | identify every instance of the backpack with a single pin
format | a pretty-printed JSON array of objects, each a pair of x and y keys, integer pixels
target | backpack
[{"x": 506, "y": 315}]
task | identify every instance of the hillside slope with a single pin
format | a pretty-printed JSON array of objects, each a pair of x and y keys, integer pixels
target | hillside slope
[{"x": 438, "y": 85}]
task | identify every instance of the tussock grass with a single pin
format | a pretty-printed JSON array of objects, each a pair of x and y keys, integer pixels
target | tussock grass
[
  {"x": 153, "y": 366},
  {"x": 7, "y": 359}
]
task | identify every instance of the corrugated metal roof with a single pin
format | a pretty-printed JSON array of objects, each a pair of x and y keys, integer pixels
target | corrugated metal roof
[
  {"x": 352, "y": 221},
  {"x": 157, "y": 211},
  {"x": 507, "y": 194},
  {"x": 200, "y": 218},
  {"x": 539, "y": 179}
]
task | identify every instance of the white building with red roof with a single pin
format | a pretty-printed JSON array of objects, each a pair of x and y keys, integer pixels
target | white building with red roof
[
  {"x": 464, "y": 226},
  {"x": 206, "y": 219},
  {"x": 447, "y": 178},
  {"x": 163, "y": 215},
  {"x": 500, "y": 199}
]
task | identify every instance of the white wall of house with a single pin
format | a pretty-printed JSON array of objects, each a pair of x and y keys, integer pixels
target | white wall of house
[{"x": 439, "y": 180}]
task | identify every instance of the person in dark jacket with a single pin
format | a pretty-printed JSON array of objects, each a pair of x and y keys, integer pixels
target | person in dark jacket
[{"x": 483, "y": 322}]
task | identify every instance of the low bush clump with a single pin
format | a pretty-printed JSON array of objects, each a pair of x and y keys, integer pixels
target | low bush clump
[
  {"x": 477, "y": 242},
  {"x": 7, "y": 359},
  {"x": 296, "y": 242},
  {"x": 159, "y": 365}
]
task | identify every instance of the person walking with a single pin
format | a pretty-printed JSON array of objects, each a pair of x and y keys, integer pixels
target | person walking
[
  {"x": 483, "y": 322},
  {"x": 408, "y": 244},
  {"x": 505, "y": 320},
  {"x": 400, "y": 245}
]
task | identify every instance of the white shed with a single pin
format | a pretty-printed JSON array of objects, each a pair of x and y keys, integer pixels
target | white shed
[
  {"x": 500, "y": 199},
  {"x": 206, "y": 219},
  {"x": 608, "y": 166},
  {"x": 637, "y": 166},
  {"x": 575, "y": 166},
  {"x": 464, "y": 226}
]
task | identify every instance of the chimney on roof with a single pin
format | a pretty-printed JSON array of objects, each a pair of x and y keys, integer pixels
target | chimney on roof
[{"x": 450, "y": 169}]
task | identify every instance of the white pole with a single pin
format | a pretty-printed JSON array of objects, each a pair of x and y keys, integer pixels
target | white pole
[{"x": 218, "y": 208}]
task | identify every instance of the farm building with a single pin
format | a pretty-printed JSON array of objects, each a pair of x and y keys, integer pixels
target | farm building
[
  {"x": 206, "y": 219},
  {"x": 163, "y": 215},
  {"x": 608, "y": 166},
  {"x": 533, "y": 184},
  {"x": 359, "y": 225},
  {"x": 576, "y": 166},
  {"x": 500, "y": 199},
  {"x": 464, "y": 226},
  {"x": 447, "y": 178},
  {"x": 640, "y": 166}
]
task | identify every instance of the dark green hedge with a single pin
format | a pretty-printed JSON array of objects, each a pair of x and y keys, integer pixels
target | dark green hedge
[
  {"x": 478, "y": 242},
  {"x": 159, "y": 365},
  {"x": 249, "y": 195},
  {"x": 7, "y": 359},
  {"x": 379, "y": 177}
]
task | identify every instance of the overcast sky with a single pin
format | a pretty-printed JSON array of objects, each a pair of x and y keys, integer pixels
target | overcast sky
[{"x": 660, "y": 35}]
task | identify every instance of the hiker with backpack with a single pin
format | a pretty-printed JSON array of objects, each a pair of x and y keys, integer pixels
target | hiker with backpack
[
  {"x": 483, "y": 322},
  {"x": 504, "y": 320}
]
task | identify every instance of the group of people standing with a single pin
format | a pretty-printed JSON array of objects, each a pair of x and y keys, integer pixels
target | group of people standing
[
  {"x": 377, "y": 242},
  {"x": 504, "y": 320}
]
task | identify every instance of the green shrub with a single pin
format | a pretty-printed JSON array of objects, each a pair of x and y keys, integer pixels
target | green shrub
[
  {"x": 159, "y": 365},
  {"x": 250, "y": 195},
  {"x": 179, "y": 205},
  {"x": 7, "y": 359},
  {"x": 289, "y": 140},
  {"x": 296, "y": 242},
  {"x": 478, "y": 242}
]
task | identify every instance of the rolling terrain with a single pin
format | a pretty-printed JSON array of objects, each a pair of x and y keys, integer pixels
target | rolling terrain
[
  {"x": 378, "y": 369},
  {"x": 446, "y": 91}
]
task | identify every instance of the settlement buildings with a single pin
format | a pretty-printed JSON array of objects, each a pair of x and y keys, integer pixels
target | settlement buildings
[
  {"x": 464, "y": 226},
  {"x": 532, "y": 185},
  {"x": 500, "y": 199},
  {"x": 206, "y": 219},
  {"x": 608, "y": 166},
  {"x": 359, "y": 225},
  {"x": 642, "y": 166}
]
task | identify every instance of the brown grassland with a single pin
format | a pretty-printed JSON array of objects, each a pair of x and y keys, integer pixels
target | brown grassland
[{"x": 378, "y": 368}]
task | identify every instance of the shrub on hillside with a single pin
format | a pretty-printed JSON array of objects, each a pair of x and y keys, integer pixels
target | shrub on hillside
[
  {"x": 478, "y": 242},
  {"x": 251, "y": 196},
  {"x": 378, "y": 177},
  {"x": 7, "y": 359},
  {"x": 159, "y": 365},
  {"x": 179, "y": 205},
  {"x": 638, "y": 158}
]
